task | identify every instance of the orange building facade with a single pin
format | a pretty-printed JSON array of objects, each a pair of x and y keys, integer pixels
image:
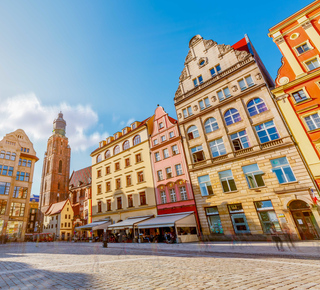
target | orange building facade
[{"x": 297, "y": 89}]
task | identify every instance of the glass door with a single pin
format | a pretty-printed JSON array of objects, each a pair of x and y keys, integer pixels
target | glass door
[{"x": 240, "y": 223}]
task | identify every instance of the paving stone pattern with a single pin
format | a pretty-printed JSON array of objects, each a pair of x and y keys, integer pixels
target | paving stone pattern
[{"x": 89, "y": 266}]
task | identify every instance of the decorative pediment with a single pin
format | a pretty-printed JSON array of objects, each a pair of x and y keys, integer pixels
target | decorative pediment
[
  {"x": 223, "y": 49},
  {"x": 183, "y": 75},
  {"x": 178, "y": 93},
  {"x": 194, "y": 40},
  {"x": 241, "y": 54},
  {"x": 209, "y": 43},
  {"x": 189, "y": 57}
]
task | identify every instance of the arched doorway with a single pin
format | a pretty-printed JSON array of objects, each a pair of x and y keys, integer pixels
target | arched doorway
[{"x": 304, "y": 220}]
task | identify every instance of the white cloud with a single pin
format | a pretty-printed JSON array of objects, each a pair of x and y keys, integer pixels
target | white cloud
[
  {"x": 27, "y": 112},
  {"x": 130, "y": 121}
]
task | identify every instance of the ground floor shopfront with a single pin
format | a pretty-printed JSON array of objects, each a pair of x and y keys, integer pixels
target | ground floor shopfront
[{"x": 13, "y": 229}]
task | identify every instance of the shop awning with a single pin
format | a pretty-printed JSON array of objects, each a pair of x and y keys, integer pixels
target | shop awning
[
  {"x": 97, "y": 225},
  {"x": 185, "y": 219},
  {"x": 129, "y": 223}
]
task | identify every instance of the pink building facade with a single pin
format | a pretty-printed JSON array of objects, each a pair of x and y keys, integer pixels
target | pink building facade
[{"x": 172, "y": 183}]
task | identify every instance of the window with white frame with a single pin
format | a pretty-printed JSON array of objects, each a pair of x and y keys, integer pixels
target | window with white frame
[
  {"x": 232, "y": 116},
  {"x": 163, "y": 197},
  {"x": 166, "y": 153},
  {"x": 179, "y": 169},
  {"x": 163, "y": 138},
  {"x": 223, "y": 94},
  {"x": 217, "y": 148},
  {"x": 205, "y": 185},
  {"x": 197, "y": 154},
  {"x": 160, "y": 175},
  {"x": 193, "y": 132},
  {"x": 171, "y": 134},
  {"x": 183, "y": 193},
  {"x": 205, "y": 103},
  {"x": 312, "y": 64},
  {"x": 253, "y": 175},
  {"x": 267, "y": 132},
  {"x": 169, "y": 172},
  {"x": 240, "y": 140},
  {"x": 215, "y": 70},
  {"x": 245, "y": 83},
  {"x": 155, "y": 141},
  {"x": 157, "y": 156},
  {"x": 313, "y": 121},
  {"x": 175, "y": 150},
  {"x": 173, "y": 195},
  {"x": 303, "y": 48},
  {"x": 282, "y": 169},
  {"x": 256, "y": 106},
  {"x": 161, "y": 125},
  {"x": 187, "y": 112},
  {"x": 211, "y": 125},
  {"x": 299, "y": 96},
  {"x": 198, "y": 81},
  {"x": 227, "y": 181}
]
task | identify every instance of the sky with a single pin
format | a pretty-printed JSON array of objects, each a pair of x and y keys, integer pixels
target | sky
[{"x": 107, "y": 63}]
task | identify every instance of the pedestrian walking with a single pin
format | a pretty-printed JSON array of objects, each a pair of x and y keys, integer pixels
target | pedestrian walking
[
  {"x": 288, "y": 236},
  {"x": 276, "y": 238}
]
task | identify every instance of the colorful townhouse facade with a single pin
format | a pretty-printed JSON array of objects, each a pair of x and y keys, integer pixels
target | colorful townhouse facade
[
  {"x": 298, "y": 81},
  {"x": 122, "y": 181},
  {"x": 246, "y": 172},
  {"x": 17, "y": 161}
]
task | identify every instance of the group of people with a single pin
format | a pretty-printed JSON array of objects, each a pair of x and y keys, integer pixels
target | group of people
[{"x": 277, "y": 236}]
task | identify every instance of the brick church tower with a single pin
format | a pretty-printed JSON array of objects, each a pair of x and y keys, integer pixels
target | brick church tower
[{"x": 56, "y": 166}]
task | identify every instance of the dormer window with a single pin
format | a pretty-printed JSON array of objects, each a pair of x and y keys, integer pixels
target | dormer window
[{"x": 133, "y": 125}]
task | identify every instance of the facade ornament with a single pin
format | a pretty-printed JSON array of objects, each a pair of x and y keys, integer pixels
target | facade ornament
[
  {"x": 279, "y": 40},
  {"x": 258, "y": 76},
  {"x": 209, "y": 43},
  {"x": 241, "y": 54},
  {"x": 213, "y": 98},
  {"x": 223, "y": 49},
  {"x": 194, "y": 40},
  {"x": 282, "y": 81},
  {"x": 178, "y": 93},
  {"x": 234, "y": 88},
  {"x": 189, "y": 57},
  {"x": 179, "y": 115},
  {"x": 195, "y": 107},
  {"x": 183, "y": 75},
  {"x": 306, "y": 25},
  {"x": 203, "y": 60}
]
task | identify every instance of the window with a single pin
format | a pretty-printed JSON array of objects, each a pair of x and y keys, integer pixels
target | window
[
  {"x": 99, "y": 188},
  {"x": 166, "y": 153},
  {"x": 173, "y": 195},
  {"x": 232, "y": 116},
  {"x": 128, "y": 180},
  {"x": 240, "y": 140},
  {"x": 119, "y": 202},
  {"x": 187, "y": 112},
  {"x": 126, "y": 145},
  {"x": 60, "y": 166},
  {"x": 8, "y": 154},
  {"x": 127, "y": 162},
  {"x": 13, "y": 157},
  {"x": 157, "y": 156},
  {"x": 99, "y": 173},
  {"x": 227, "y": 181},
  {"x": 5, "y": 170},
  {"x": 133, "y": 125},
  {"x": 313, "y": 121},
  {"x": 205, "y": 103},
  {"x": 303, "y": 48},
  {"x": 155, "y": 141},
  {"x": 163, "y": 197},
  {"x": 109, "y": 205},
  {"x": 282, "y": 169},
  {"x": 171, "y": 134},
  {"x": 107, "y": 154},
  {"x": 161, "y": 125},
  {"x": 217, "y": 148},
  {"x": 169, "y": 172},
  {"x": 143, "y": 200},
  {"x": 267, "y": 132},
  {"x": 246, "y": 83},
  {"x": 68, "y": 226},
  {"x": 136, "y": 140},
  {"x": 223, "y": 94},
  {"x": 17, "y": 209},
  {"x": 118, "y": 183},
  {"x": 160, "y": 175},
  {"x": 193, "y": 132},
  {"x": 238, "y": 218},
  {"x": 99, "y": 208},
  {"x": 28, "y": 164},
  {"x": 205, "y": 185},
  {"x": 2, "y": 154},
  {"x": 183, "y": 193},
  {"x": 312, "y": 64},
  {"x": 200, "y": 80},
  {"x": 163, "y": 138},
  {"x": 214, "y": 221},
  {"x": 256, "y": 106},
  {"x": 116, "y": 150},
  {"x": 179, "y": 169},
  {"x": 108, "y": 186},
  {"x": 197, "y": 154},
  {"x": 253, "y": 175},
  {"x": 27, "y": 177},
  {"x": 140, "y": 176},
  {"x": 24, "y": 162},
  {"x": 108, "y": 170},
  {"x": 20, "y": 192},
  {"x": 215, "y": 70},
  {"x": 21, "y": 176},
  {"x": 267, "y": 215},
  {"x": 175, "y": 150},
  {"x": 130, "y": 200},
  {"x": 18, "y": 175},
  {"x": 299, "y": 96},
  {"x": 117, "y": 166},
  {"x": 138, "y": 158},
  {"x": 211, "y": 125}
]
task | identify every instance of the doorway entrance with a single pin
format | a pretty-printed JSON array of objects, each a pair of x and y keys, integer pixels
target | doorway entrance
[{"x": 304, "y": 219}]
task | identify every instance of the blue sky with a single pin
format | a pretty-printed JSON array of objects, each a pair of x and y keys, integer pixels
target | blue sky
[{"x": 105, "y": 63}]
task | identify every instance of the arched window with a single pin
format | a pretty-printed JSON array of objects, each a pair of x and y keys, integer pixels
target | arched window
[
  {"x": 116, "y": 150},
  {"x": 256, "y": 106},
  {"x": 8, "y": 155},
  {"x": 99, "y": 158},
  {"x": 193, "y": 132},
  {"x": 107, "y": 154},
  {"x": 2, "y": 154},
  {"x": 211, "y": 125},
  {"x": 60, "y": 166},
  {"x": 13, "y": 156},
  {"x": 232, "y": 116},
  {"x": 126, "y": 145},
  {"x": 48, "y": 167},
  {"x": 136, "y": 140}
]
